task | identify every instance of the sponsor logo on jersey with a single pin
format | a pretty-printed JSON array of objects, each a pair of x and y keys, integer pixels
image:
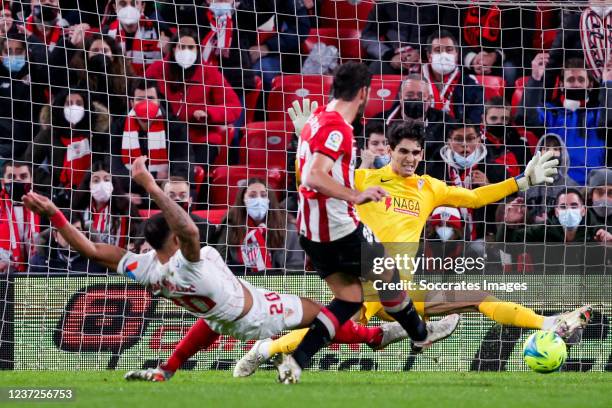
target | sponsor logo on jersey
[
  {"x": 129, "y": 270},
  {"x": 334, "y": 140},
  {"x": 403, "y": 205},
  {"x": 420, "y": 184}
]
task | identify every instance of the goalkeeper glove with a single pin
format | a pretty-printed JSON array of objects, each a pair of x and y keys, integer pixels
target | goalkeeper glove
[
  {"x": 299, "y": 115},
  {"x": 539, "y": 170}
]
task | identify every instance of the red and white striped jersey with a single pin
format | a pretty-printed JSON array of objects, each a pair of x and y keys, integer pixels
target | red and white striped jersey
[{"x": 322, "y": 218}]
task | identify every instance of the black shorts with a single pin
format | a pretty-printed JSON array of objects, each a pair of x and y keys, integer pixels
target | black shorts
[{"x": 351, "y": 254}]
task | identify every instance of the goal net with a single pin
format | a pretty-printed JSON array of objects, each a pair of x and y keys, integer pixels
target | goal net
[{"x": 203, "y": 88}]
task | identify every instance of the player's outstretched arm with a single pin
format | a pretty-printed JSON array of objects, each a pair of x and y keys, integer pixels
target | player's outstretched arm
[
  {"x": 104, "y": 254},
  {"x": 178, "y": 219}
]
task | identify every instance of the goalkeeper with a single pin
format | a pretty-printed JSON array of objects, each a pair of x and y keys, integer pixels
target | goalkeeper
[{"x": 416, "y": 197}]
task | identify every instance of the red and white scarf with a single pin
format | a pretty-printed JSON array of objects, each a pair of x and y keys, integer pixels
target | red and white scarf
[
  {"x": 596, "y": 39},
  {"x": 102, "y": 222},
  {"x": 464, "y": 179},
  {"x": 50, "y": 38},
  {"x": 17, "y": 246},
  {"x": 219, "y": 39},
  {"x": 442, "y": 99},
  {"x": 156, "y": 142},
  {"x": 77, "y": 161},
  {"x": 253, "y": 252},
  {"x": 145, "y": 48}
]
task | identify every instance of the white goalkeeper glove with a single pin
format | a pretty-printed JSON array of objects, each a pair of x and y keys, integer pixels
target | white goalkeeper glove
[
  {"x": 539, "y": 170},
  {"x": 299, "y": 115}
]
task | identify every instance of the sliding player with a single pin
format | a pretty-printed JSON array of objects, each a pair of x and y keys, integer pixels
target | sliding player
[{"x": 399, "y": 178}]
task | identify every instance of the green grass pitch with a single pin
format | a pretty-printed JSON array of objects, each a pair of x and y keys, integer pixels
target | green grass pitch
[{"x": 322, "y": 389}]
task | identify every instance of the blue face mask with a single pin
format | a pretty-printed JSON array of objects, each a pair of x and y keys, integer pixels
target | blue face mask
[
  {"x": 14, "y": 63},
  {"x": 221, "y": 9},
  {"x": 570, "y": 218},
  {"x": 257, "y": 208},
  {"x": 465, "y": 162},
  {"x": 381, "y": 161}
]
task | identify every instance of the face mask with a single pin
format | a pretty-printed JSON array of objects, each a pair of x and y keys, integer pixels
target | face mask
[
  {"x": 17, "y": 189},
  {"x": 45, "y": 13},
  {"x": 184, "y": 205},
  {"x": 603, "y": 208},
  {"x": 570, "y": 218},
  {"x": 573, "y": 98},
  {"x": 74, "y": 113},
  {"x": 414, "y": 109},
  {"x": 99, "y": 63},
  {"x": 381, "y": 161},
  {"x": 128, "y": 15},
  {"x": 185, "y": 58},
  {"x": 443, "y": 63},
  {"x": 445, "y": 233},
  {"x": 257, "y": 208},
  {"x": 221, "y": 9},
  {"x": 102, "y": 191},
  {"x": 499, "y": 131},
  {"x": 14, "y": 63},
  {"x": 465, "y": 161}
]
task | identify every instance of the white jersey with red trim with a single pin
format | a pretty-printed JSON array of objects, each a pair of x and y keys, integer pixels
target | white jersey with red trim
[
  {"x": 206, "y": 288},
  {"x": 322, "y": 218}
]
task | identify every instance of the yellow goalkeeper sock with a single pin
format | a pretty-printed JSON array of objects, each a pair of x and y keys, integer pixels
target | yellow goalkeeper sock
[
  {"x": 288, "y": 343},
  {"x": 510, "y": 313}
]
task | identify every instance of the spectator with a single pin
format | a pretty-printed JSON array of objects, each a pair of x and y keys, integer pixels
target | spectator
[
  {"x": 53, "y": 254},
  {"x": 7, "y": 24},
  {"x": 444, "y": 236},
  {"x": 102, "y": 70},
  {"x": 394, "y": 34},
  {"x": 19, "y": 227},
  {"x": 107, "y": 212},
  {"x": 197, "y": 94},
  {"x": 148, "y": 130},
  {"x": 74, "y": 133},
  {"x": 504, "y": 145},
  {"x": 600, "y": 197},
  {"x": 139, "y": 37},
  {"x": 579, "y": 122},
  {"x": 541, "y": 200},
  {"x": 376, "y": 154},
  {"x": 46, "y": 23},
  {"x": 453, "y": 90},
  {"x": 258, "y": 234},
  {"x": 177, "y": 188},
  {"x": 567, "y": 225}
]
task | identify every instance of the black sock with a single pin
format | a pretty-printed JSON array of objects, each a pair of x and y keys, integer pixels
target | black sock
[
  {"x": 405, "y": 314},
  {"x": 323, "y": 329}
]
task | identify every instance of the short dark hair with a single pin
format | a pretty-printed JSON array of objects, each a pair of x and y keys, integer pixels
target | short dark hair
[
  {"x": 410, "y": 129},
  {"x": 16, "y": 163},
  {"x": 496, "y": 102},
  {"x": 452, "y": 127},
  {"x": 141, "y": 84},
  {"x": 374, "y": 126},
  {"x": 570, "y": 190},
  {"x": 349, "y": 79},
  {"x": 442, "y": 33},
  {"x": 156, "y": 231}
]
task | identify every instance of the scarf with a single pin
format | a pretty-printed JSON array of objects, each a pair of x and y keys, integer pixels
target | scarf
[
  {"x": 51, "y": 39},
  {"x": 144, "y": 48},
  {"x": 219, "y": 38},
  {"x": 14, "y": 245},
  {"x": 103, "y": 224},
  {"x": 442, "y": 98},
  {"x": 77, "y": 160},
  {"x": 596, "y": 39},
  {"x": 464, "y": 180},
  {"x": 156, "y": 142},
  {"x": 253, "y": 252}
]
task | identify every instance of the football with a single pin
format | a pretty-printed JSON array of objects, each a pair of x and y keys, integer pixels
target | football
[{"x": 544, "y": 352}]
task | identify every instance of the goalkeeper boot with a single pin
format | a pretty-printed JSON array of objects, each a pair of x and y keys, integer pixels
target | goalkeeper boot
[
  {"x": 251, "y": 361},
  {"x": 289, "y": 371},
  {"x": 570, "y": 325},
  {"x": 150, "y": 374},
  {"x": 436, "y": 331},
  {"x": 391, "y": 333}
]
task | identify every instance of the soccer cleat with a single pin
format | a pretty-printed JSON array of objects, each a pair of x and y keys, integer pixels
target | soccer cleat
[
  {"x": 568, "y": 325},
  {"x": 392, "y": 333},
  {"x": 251, "y": 361},
  {"x": 150, "y": 374},
  {"x": 289, "y": 371},
  {"x": 437, "y": 331}
]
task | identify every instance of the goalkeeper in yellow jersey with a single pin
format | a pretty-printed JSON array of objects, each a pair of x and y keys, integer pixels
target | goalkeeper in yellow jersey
[{"x": 401, "y": 219}]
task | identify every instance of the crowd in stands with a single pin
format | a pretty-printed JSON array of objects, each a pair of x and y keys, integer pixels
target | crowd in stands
[{"x": 88, "y": 86}]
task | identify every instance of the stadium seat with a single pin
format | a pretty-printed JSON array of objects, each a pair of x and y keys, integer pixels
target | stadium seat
[
  {"x": 519, "y": 88},
  {"x": 281, "y": 81},
  {"x": 264, "y": 145},
  {"x": 383, "y": 94},
  {"x": 493, "y": 85},
  {"x": 226, "y": 181},
  {"x": 251, "y": 98},
  {"x": 199, "y": 177},
  {"x": 281, "y": 98},
  {"x": 213, "y": 216},
  {"x": 346, "y": 40},
  {"x": 342, "y": 14}
]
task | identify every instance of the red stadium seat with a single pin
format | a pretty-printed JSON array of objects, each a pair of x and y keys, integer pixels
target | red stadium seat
[
  {"x": 264, "y": 145},
  {"x": 282, "y": 81},
  {"x": 347, "y": 40},
  {"x": 147, "y": 213},
  {"x": 226, "y": 181},
  {"x": 493, "y": 85},
  {"x": 519, "y": 88},
  {"x": 342, "y": 14},
  {"x": 281, "y": 98},
  {"x": 383, "y": 94},
  {"x": 251, "y": 98},
  {"x": 199, "y": 176},
  {"x": 213, "y": 216}
]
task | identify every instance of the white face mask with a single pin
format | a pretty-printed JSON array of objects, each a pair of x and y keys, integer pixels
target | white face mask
[
  {"x": 465, "y": 161},
  {"x": 257, "y": 208},
  {"x": 445, "y": 233},
  {"x": 185, "y": 58},
  {"x": 570, "y": 218},
  {"x": 571, "y": 104},
  {"x": 102, "y": 191},
  {"x": 443, "y": 63},
  {"x": 128, "y": 15},
  {"x": 74, "y": 113}
]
